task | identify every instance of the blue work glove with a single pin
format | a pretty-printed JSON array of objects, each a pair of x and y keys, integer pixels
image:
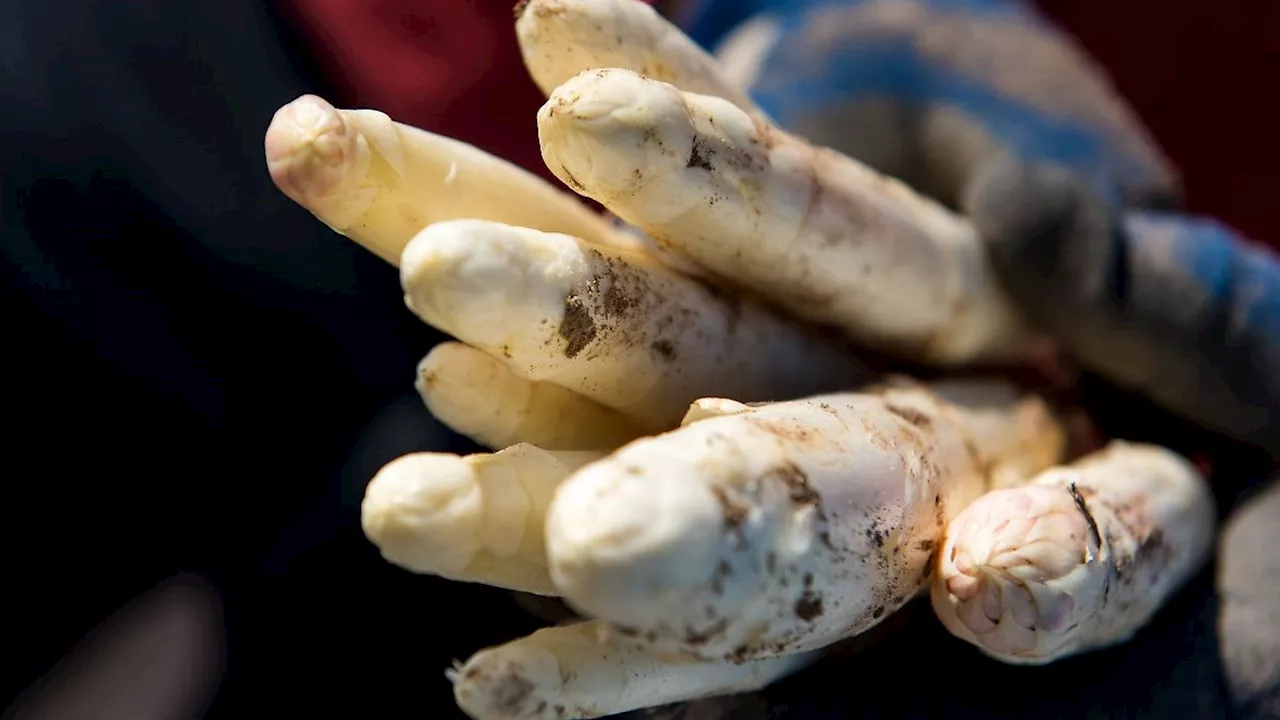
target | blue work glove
[
  {"x": 1178, "y": 308},
  {"x": 985, "y": 106},
  {"x": 933, "y": 91}
]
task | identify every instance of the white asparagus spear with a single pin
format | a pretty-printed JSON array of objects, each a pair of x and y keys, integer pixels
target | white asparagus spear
[
  {"x": 581, "y": 671},
  {"x": 478, "y": 396},
  {"x": 822, "y": 235},
  {"x": 756, "y": 531},
  {"x": 616, "y": 327},
  {"x": 1078, "y": 560},
  {"x": 561, "y": 38},
  {"x": 379, "y": 182},
  {"x": 1014, "y": 435},
  {"x": 477, "y": 518}
]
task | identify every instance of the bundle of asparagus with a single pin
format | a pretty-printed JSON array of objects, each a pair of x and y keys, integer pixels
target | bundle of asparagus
[{"x": 688, "y": 450}]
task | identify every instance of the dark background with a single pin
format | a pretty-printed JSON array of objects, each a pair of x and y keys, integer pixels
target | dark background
[{"x": 200, "y": 377}]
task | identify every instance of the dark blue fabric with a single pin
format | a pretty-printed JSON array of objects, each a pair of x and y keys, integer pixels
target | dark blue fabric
[
  {"x": 792, "y": 86},
  {"x": 789, "y": 88},
  {"x": 1218, "y": 259},
  {"x": 1224, "y": 264},
  {"x": 708, "y": 21}
]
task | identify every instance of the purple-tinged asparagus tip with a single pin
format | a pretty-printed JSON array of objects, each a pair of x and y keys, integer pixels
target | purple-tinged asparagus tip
[
  {"x": 1005, "y": 563},
  {"x": 307, "y": 146}
]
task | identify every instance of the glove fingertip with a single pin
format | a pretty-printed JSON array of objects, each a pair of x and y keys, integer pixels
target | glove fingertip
[{"x": 1029, "y": 215}]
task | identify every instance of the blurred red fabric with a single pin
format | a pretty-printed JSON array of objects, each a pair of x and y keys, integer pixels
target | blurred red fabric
[
  {"x": 1196, "y": 72},
  {"x": 449, "y": 66}
]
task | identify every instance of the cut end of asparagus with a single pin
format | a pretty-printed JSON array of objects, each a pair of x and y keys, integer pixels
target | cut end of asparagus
[
  {"x": 1002, "y": 568},
  {"x": 599, "y": 118},
  {"x": 308, "y": 147},
  {"x": 485, "y": 281},
  {"x": 425, "y": 512},
  {"x": 622, "y": 536}
]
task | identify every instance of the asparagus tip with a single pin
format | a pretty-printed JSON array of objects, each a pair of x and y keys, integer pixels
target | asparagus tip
[
  {"x": 1004, "y": 559},
  {"x": 421, "y": 510},
  {"x": 307, "y": 146}
]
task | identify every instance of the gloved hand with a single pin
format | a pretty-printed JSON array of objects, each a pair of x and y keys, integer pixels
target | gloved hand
[
  {"x": 580, "y": 344},
  {"x": 984, "y": 105}
]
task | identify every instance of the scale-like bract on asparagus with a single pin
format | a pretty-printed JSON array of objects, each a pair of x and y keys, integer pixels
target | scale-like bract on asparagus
[
  {"x": 818, "y": 233},
  {"x": 756, "y": 531},
  {"x": 477, "y": 518},
  {"x": 581, "y": 671},
  {"x": 379, "y": 182},
  {"x": 1079, "y": 559},
  {"x": 476, "y": 395},
  {"x": 619, "y": 328},
  {"x": 561, "y": 38}
]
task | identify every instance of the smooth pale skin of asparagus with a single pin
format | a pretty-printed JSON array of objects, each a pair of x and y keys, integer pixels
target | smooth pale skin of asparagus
[
  {"x": 618, "y": 328},
  {"x": 1034, "y": 574},
  {"x": 561, "y": 38},
  {"x": 820, "y": 234},
  {"x": 1012, "y": 435},
  {"x": 752, "y": 532},
  {"x": 1015, "y": 435},
  {"x": 580, "y": 671},
  {"x": 379, "y": 182},
  {"x": 476, "y": 395},
  {"x": 476, "y": 518}
]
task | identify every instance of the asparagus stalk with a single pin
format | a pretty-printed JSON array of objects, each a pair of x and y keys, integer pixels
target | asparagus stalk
[
  {"x": 561, "y": 38},
  {"x": 753, "y": 532},
  {"x": 379, "y": 182},
  {"x": 822, "y": 235},
  {"x": 477, "y": 395},
  {"x": 477, "y": 518},
  {"x": 619, "y": 328},
  {"x": 584, "y": 671}
]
